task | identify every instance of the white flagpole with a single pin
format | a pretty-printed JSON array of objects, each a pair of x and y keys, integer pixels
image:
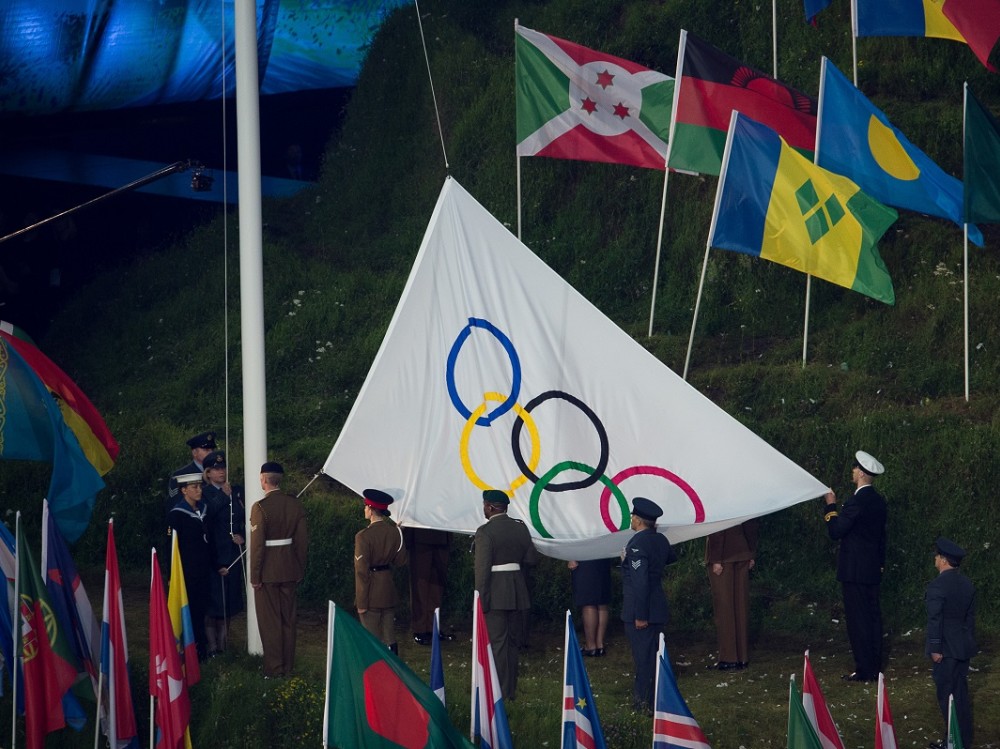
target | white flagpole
[
  {"x": 965, "y": 254},
  {"x": 774, "y": 34},
  {"x": 97, "y": 714},
  {"x": 711, "y": 236},
  {"x": 15, "y": 629},
  {"x": 516, "y": 157},
  {"x": 854, "y": 39},
  {"x": 331, "y": 613},
  {"x": 659, "y": 245},
  {"x": 475, "y": 642}
]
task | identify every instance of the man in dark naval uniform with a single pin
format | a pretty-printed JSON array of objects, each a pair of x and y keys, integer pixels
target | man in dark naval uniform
[
  {"x": 187, "y": 519},
  {"x": 201, "y": 445},
  {"x": 378, "y": 549},
  {"x": 503, "y": 549},
  {"x": 860, "y": 525},
  {"x": 279, "y": 542},
  {"x": 951, "y": 635},
  {"x": 644, "y": 604}
]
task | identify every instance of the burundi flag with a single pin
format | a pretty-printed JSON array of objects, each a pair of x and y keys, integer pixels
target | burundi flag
[
  {"x": 48, "y": 663},
  {"x": 774, "y": 203},
  {"x": 180, "y": 616},
  {"x": 577, "y": 103},
  {"x": 981, "y": 164},
  {"x": 674, "y": 727},
  {"x": 581, "y": 726},
  {"x": 373, "y": 699},
  {"x": 885, "y": 731},
  {"x": 978, "y": 21},
  {"x": 817, "y": 711},
  {"x": 801, "y": 734},
  {"x": 710, "y": 86},
  {"x": 857, "y": 140}
]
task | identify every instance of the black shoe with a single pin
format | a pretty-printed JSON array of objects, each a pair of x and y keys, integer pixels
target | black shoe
[
  {"x": 726, "y": 666},
  {"x": 742, "y": 665},
  {"x": 446, "y": 637},
  {"x": 422, "y": 638},
  {"x": 600, "y": 652},
  {"x": 857, "y": 677},
  {"x": 938, "y": 745},
  {"x": 588, "y": 653}
]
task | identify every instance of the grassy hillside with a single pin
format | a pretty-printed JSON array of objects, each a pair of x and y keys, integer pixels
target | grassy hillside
[{"x": 147, "y": 340}]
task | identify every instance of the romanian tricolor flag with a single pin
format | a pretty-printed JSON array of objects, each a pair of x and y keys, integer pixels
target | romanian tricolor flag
[
  {"x": 974, "y": 22},
  {"x": 774, "y": 203},
  {"x": 710, "y": 86}
]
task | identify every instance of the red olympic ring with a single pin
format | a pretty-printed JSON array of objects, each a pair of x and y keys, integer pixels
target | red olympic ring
[{"x": 699, "y": 508}]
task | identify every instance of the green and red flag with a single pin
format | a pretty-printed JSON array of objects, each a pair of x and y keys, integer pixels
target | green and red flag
[
  {"x": 578, "y": 103},
  {"x": 373, "y": 699},
  {"x": 710, "y": 85},
  {"x": 48, "y": 663},
  {"x": 801, "y": 734}
]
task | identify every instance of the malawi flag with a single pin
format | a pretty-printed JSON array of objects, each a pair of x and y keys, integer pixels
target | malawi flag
[
  {"x": 981, "y": 171},
  {"x": 774, "y": 203},
  {"x": 48, "y": 663},
  {"x": 373, "y": 699},
  {"x": 711, "y": 84},
  {"x": 577, "y": 103}
]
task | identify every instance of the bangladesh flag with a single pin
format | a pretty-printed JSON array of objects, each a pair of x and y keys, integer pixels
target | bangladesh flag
[
  {"x": 577, "y": 103},
  {"x": 711, "y": 84},
  {"x": 373, "y": 699},
  {"x": 49, "y": 665}
]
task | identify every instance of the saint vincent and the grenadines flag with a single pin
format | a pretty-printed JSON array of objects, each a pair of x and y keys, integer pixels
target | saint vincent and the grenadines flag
[
  {"x": 578, "y": 103},
  {"x": 981, "y": 171},
  {"x": 774, "y": 203},
  {"x": 974, "y": 22},
  {"x": 710, "y": 86},
  {"x": 374, "y": 700},
  {"x": 857, "y": 140}
]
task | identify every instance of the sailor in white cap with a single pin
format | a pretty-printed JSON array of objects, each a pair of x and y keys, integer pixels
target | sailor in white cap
[{"x": 860, "y": 526}]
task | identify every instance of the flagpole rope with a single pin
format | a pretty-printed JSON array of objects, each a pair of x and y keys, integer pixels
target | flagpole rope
[
  {"x": 437, "y": 113},
  {"x": 225, "y": 239}
]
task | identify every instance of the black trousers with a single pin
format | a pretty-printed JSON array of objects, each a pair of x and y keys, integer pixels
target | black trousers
[
  {"x": 645, "y": 643},
  {"x": 951, "y": 677},
  {"x": 863, "y": 611}
]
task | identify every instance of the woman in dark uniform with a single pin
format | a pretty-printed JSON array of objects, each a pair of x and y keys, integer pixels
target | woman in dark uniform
[{"x": 592, "y": 593}]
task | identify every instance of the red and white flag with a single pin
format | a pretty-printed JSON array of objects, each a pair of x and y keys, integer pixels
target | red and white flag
[
  {"x": 121, "y": 726},
  {"x": 166, "y": 677},
  {"x": 489, "y": 719},
  {"x": 885, "y": 733},
  {"x": 817, "y": 711}
]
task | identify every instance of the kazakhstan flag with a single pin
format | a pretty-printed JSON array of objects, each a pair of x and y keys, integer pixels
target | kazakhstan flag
[
  {"x": 775, "y": 203},
  {"x": 856, "y": 139}
]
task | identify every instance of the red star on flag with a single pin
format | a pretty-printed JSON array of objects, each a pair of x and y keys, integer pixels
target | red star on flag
[
  {"x": 589, "y": 106},
  {"x": 605, "y": 79},
  {"x": 621, "y": 110}
]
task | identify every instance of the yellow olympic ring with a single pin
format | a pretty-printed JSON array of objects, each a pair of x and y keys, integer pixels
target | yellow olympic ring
[{"x": 470, "y": 423}]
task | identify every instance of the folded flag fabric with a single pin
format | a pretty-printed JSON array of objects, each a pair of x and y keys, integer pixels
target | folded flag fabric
[
  {"x": 581, "y": 725},
  {"x": 954, "y": 732},
  {"x": 981, "y": 164},
  {"x": 978, "y": 21},
  {"x": 801, "y": 734},
  {"x": 48, "y": 664},
  {"x": 857, "y": 140},
  {"x": 674, "y": 727},
  {"x": 774, "y": 203},
  {"x": 578, "y": 103},
  {"x": 885, "y": 732},
  {"x": 120, "y": 727},
  {"x": 8, "y": 570},
  {"x": 489, "y": 718},
  {"x": 167, "y": 682},
  {"x": 813, "y": 7},
  {"x": 373, "y": 700},
  {"x": 711, "y": 85},
  {"x": 817, "y": 711},
  {"x": 437, "y": 668},
  {"x": 180, "y": 616}
]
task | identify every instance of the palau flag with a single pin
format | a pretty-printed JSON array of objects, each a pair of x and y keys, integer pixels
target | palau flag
[
  {"x": 774, "y": 203},
  {"x": 857, "y": 140}
]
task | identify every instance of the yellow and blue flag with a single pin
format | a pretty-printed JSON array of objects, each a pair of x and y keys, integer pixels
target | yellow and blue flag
[
  {"x": 774, "y": 203},
  {"x": 857, "y": 140},
  {"x": 905, "y": 18}
]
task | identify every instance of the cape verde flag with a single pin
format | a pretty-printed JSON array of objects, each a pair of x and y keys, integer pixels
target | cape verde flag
[
  {"x": 581, "y": 726},
  {"x": 489, "y": 719},
  {"x": 673, "y": 725},
  {"x": 437, "y": 670},
  {"x": 120, "y": 727}
]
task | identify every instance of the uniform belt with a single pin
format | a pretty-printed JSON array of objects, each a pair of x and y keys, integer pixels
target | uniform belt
[
  {"x": 278, "y": 542},
  {"x": 380, "y": 568},
  {"x": 509, "y": 567}
]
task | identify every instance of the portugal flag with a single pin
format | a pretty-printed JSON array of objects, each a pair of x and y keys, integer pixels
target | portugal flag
[
  {"x": 373, "y": 699},
  {"x": 710, "y": 85},
  {"x": 577, "y": 103},
  {"x": 48, "y": 663}
]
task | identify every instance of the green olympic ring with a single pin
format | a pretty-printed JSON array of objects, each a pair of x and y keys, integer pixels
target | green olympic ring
[{"x": 536, "y": 494}]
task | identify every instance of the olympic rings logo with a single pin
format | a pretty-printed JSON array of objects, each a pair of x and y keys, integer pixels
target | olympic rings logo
[{"x": 484, "y": 417}]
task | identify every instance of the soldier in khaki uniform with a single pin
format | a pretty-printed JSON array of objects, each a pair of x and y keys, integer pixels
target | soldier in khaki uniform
[
  {"x": 279, "y": 542},
  {"x": 377, "y": 549}
]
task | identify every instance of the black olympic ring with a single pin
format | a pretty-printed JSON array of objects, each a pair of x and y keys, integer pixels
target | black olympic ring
[{"x": 602, "y": 434}]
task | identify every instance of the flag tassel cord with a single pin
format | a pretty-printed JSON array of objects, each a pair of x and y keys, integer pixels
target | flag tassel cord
[{"x": 430, "y": 78}]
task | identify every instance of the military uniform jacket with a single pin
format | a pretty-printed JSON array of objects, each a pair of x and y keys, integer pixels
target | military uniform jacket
[
  {"x": 226, "y": 516},
  {"x": 860, "y": 528},
  {"x": 736, "y": 544},
  {"x": 503, "y": 540},
  {"x": 278, "y": 517},
  {"x": 951, "y": 616},
  {"x": 380, "y": 545},
  {"x": 193, "y": 540},
  {"x": 646, "y": 554}
]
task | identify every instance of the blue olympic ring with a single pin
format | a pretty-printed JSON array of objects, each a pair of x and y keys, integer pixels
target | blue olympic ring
[{"x": 515, "y": 363}]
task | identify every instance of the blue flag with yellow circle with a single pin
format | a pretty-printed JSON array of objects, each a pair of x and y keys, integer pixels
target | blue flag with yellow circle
[
  {"x": 856, "y": 139},
  {"x": 775, "y": 203}
]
